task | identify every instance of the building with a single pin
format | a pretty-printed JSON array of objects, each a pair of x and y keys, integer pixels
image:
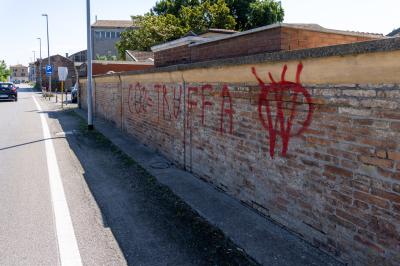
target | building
[
  {"x": 19, "y": 73},
  {"x": 139, "y": 56},
  {"x": 57, "y": 61},
  {"x": 105, "y": 35},
  {"x": 272, "y": 38},
  {"x": 100, "y": 67},
  {"x": 78, "y": 57}
]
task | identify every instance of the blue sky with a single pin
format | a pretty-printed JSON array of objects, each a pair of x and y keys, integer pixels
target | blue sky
[{"x": 22, "y": 23}]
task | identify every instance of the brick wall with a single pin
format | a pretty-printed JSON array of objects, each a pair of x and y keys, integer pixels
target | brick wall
[
  {"x": 103, "y": 68},
  {"x": 177, "y": 55},
  {"x": 270, "y": 40},
  {"x": 316, "y": 150}
]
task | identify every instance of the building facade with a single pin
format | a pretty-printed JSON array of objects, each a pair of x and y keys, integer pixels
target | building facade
[
  {"x": 19, "y": 73},
  {"x": 56, "y": 61},
  {"x": 105, "y": 35},
  {"x": 79, "y": 57}
]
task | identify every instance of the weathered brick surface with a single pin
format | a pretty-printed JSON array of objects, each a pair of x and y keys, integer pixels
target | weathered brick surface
[
  {"x": 338, "y": 182},
  {"x": 266, "y": 41}
]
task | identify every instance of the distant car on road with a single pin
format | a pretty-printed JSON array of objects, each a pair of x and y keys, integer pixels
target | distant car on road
[
  {"x": 74, "y": 94},
  {"x": 8, "y": 91}
]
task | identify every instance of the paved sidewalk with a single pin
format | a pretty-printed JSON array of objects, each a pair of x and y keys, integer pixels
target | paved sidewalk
[{"x": 262, "y": 239}]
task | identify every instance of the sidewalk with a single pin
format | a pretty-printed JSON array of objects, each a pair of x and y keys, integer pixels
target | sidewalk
[{"x": 262, "y": 239}]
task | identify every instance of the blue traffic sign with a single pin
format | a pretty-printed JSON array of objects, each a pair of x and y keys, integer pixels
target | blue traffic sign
[{"x": 49, "y": 70}]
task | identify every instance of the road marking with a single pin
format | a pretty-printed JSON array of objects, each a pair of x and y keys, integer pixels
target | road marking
[{"x": 67, "y": 245}]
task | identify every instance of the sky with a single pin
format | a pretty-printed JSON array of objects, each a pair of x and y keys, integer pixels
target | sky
[{"x": 22, "y": 24}]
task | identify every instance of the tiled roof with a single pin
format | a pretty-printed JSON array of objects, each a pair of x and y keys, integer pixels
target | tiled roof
[
  {"x": 113, "y": 24},
  {"x": 394, "y": 33},
  {"x": 141, "y": 56},
  {"x": 316, "y": 27},
  {"x": 221, "y": 31}
]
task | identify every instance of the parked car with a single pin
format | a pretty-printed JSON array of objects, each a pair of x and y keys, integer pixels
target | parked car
[
  {"x": 74, "y": 94},
  {"x": 8, "y": 91}
]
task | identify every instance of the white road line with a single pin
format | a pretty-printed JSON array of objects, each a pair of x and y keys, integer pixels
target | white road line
[{"x": 67, "y": 245}]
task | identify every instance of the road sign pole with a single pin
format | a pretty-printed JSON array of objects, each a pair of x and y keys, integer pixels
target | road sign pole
[
  {"x": 62, "y": 93},
  {"x": 89, "y": 67}
]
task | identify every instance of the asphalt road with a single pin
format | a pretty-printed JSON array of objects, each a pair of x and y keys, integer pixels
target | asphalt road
[{"x": 34, "y": 226}]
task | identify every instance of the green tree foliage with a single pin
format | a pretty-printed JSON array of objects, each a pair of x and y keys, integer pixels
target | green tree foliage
[
  {"x": 207, "y": 15},
  {"x": 152, "y": 30},
  {"x": 4, "y": 71},
  {"x": 261, "y": 12},
  {"x": 264, "y": 12},
  {"x": 173, "y": 7}
]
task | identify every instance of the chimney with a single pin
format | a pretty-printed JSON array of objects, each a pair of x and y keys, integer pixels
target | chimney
[
  {"x": 66, "y": 55},
  {"x": 96, "y": 18}
]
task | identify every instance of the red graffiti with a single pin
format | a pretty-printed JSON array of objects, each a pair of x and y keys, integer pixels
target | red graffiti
[
  {"x": 204, "y": 103},
  {"x": 177, "y": 102},
  {"x": 165, "y": 104},
  {"x": 278, "y": 89},
  {"x": 190, "y": 104},
  {"x": 140, "y": 99},
  {"x": 226, "y": 96}
]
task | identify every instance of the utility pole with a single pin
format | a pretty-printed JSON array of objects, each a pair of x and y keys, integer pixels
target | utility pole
[
  {"x": 89, "y": 67},
  {"x": 40, "y": 62},
  {"x": 48, "y": 47}
]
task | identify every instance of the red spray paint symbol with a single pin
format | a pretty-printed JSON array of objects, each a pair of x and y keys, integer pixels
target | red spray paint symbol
[{"x": 278, "y": 89}]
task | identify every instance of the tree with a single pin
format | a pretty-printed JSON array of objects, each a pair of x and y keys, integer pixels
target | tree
[
  {"x": 173, "y": 7},
  {"x": 4, "y": 72},
  {"x": 261, "y": 12},
  {"x": 264, "y": 12},
  {"x": 207, "y": 15},
  {"x": 152, "y": 30}
]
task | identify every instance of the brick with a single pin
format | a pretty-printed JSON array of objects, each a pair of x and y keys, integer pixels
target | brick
[
  {"x": 395, "y": 156},
  {"x": 369, "y": 244},
  {"x": 348, "y": 217},
  {"x": 337, "y": 171},
  {"x": 370, "y": 199},
  {"x": 337, "y": 220},
  {"x": 359, "y": 93},
  {"x": 341, "y": 197},
  {"x": 382, "y": 154},
  {"x": 385, "y": 195},
  {"x": 376, "y": 161}
]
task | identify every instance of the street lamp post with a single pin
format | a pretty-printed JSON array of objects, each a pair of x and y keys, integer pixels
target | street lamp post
[
  {"x": 40, "y": 62},
  {"x": 34, "y": 66},
  {"x": 48, "y": 46},
  {"x": 89, "y": 67}
]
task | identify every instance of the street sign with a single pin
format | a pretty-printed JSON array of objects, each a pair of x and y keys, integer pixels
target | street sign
[
  {"x": 62, "y": 73},
  {"x": 49, "y": 70}
]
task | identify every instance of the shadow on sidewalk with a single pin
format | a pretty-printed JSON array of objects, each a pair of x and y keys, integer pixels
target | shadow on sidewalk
[{"x": 151, "y": 225}]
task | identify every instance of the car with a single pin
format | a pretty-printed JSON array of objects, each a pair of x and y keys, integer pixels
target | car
[
  {"x": 8, "y": 91},
  {"x": 74, "y": 94}
]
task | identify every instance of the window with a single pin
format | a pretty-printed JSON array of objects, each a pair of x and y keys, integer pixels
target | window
[
  {"x": 97, "y": 34},
  {"x": 112, "y": 35},
  {"x": 118, "y": 34},
  {"x": 108, "y": 35}
]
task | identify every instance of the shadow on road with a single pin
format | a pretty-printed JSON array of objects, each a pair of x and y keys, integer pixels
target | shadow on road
[
  {"x": 151, "y": 225},
  {"x": 27, "y": 143}
]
